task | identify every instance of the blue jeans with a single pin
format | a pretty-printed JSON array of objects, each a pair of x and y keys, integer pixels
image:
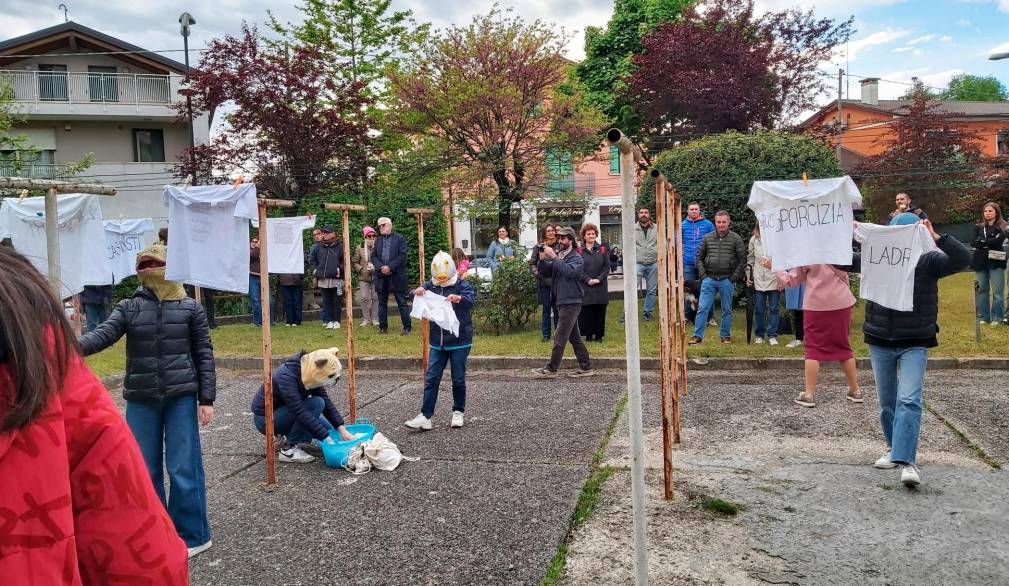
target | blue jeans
[
  {"x": 437, "y": 360},
  {"x": 762, "y": 301},
  {"x": 899, "y": 373},
  {"x": 689, "y": 274},
  {"x": 650, "y": 273},
  {"x": 96, "y": 313},
  {"x": 168, "y": 434},
  {"x": 990, "y": 280},
  {"x": 293, "y": 297},
  {"x": 710, "y": 287},
  {"x": 257, "y": 300},
  {"x": 286, "y": 425}
]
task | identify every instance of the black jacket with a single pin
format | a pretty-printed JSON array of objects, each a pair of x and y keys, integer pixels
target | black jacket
[
  {"x": 326, "y": 260},
  {"x": 289, "y": 391},
  {"x": 721, "y": 256},
  {"x": 595, "y": 265},
  {"x": 889, "y": 327},
  {"x": 395, "y": 260},
  {"x": 566, "y": 278},
  {"x": 987, "y": 238},
  {"x": 168, "y": 349},
  {"x": 97, "y": 294}
]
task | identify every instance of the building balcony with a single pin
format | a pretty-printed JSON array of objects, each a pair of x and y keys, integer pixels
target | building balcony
[
  {"x": 34, "y": 171},
  {"x": 67, "y": 95}
]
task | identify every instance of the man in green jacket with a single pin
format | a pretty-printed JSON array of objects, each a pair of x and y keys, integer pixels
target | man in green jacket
[
  {"x": 645, "y": 247},
  {"x": 721, "y": 262}
]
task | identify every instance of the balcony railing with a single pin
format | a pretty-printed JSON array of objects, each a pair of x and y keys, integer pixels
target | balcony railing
[
  {"x": 34, "y": 171},
  {"x": 86, "y": 88}
]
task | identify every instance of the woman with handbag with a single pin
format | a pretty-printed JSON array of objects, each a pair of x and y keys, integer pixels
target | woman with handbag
[{"x": 989, "y": 264}]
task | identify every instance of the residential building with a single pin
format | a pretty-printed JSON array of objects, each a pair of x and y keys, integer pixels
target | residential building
[
  {"x": 81, "y": 92},
  {"x": 867, "y": 123}
]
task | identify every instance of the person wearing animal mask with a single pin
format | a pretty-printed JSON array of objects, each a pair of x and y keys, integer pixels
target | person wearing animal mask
[
  {"x": 302, "y": 410},
  {"x": 447, "y": 347},
  {"x": 169, "y": 387}
]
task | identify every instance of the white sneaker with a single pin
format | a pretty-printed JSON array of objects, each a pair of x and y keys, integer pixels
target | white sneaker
[
  {"x": 995, "y": 324},
  {"x": 759, "y": 340},
  {"x": 326, "y": 325},
  {"x": 296, "y": 455},
  {"x": 195, "y": 551},
  {"x": 772, "y": 341},
  {"x": 909, "y": 475},
  {"x": 419, "y": 422},
  {"x": 794, "y": 344},
  {"x": 983, "y": 322},
  {"x": 457, "y": 419},
  {"x": 374, "y": 323},
  {"x": 336, "y": 325},
  {"x": 884, "y": 462},
  {"x": 365, "y": 322}
]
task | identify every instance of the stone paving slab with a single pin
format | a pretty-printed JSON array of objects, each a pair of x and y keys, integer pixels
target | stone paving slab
[{"x": 977, "y": 404}]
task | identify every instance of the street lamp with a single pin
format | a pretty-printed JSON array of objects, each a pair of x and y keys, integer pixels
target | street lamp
[
  {"x": 185, "y": 21},
  {"x": 997, "y": 56}
]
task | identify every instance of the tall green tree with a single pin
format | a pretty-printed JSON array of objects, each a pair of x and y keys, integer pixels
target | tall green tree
[
  {"x": 608, "y": 54},
  {"x": 981, "y": 88},
  {"x": 484, "y": 106}
]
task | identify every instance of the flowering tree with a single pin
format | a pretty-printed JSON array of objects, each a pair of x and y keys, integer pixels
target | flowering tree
[
  {"x": 289, "y": 124},
  {"x": 484, "y": 105},
  {"x": 724, "y": 68},
  {"x": 934, "y": 159}
]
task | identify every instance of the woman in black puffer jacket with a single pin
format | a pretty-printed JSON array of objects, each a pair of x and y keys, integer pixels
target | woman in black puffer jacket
[{"x": 170, "y": 384}]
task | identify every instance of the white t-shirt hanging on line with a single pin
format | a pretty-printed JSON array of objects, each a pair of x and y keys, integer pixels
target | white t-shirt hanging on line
[
  {"x": 804, "y": 224},
  {"x": 889, "y": 257},
  {"x": 125, "y": 238},
  {"x": 285, "y": 244},
  {"x": 208, "y": 235},
  {"x": 83, "y": 254}
]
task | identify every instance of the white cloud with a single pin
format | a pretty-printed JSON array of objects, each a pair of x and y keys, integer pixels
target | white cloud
[
  {"x": 895, "y": 83},
  {"x": 831, "y": 9},
  {"x": 883, "y": 37},
  {"x": 945, "y": 39},
  {"x": 902, "y": 49},
  {"x": 923, "y": 39}
]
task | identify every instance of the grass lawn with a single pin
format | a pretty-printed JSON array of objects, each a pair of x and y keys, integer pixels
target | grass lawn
[{"x": 956, "y": 337}]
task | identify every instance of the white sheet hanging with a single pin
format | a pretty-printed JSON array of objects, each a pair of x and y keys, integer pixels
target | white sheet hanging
[
  {"x": 436, "y": 308},
  {"x": 804, "y": 224},
  {"x": 208, "y": 235},
  {"x": 83, "y": 254},
  {"x": 125, "y": 238}
]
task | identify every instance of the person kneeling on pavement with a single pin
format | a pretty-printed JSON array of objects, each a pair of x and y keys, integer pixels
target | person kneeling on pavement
[
  {"x": 447, "y": 347},
  {"x": 302, "y": 411}
]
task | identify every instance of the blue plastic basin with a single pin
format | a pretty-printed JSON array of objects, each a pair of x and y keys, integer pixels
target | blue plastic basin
[{"x": 336, "y": 454}]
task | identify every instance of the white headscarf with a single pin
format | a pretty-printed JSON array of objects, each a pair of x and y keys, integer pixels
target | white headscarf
[{"x": 443, "y": 273}]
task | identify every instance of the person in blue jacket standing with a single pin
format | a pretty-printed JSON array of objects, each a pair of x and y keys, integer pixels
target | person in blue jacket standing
[
  {"x": 447, "y": 347},
  {"x": 501, "y": 248},
  {"x": 695, "y": 228}
]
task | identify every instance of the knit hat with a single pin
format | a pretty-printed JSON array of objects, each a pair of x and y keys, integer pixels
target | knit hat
[
  {"x": 368, "y": 230},
  {"x": 904, "y": 219}
]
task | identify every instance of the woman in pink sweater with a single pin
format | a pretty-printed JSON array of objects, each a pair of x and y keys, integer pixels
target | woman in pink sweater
[{"x": 826, "y": 308}]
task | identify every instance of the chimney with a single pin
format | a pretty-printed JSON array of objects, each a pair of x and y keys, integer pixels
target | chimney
[{"x": 870, "y": 91}]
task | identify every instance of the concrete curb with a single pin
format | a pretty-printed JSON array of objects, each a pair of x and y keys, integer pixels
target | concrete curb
[{"x": 617, "y": 363}]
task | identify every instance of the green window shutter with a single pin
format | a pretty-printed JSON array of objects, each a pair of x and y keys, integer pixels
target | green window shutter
[
  {"x": 614, "y": 161},
  {"x": 560, "y": 172}
]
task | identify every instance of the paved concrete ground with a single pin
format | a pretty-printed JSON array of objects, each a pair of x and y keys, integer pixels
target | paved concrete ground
[
  {"x": 816, "y": 512},
  {"x": 486, "y": 504}
]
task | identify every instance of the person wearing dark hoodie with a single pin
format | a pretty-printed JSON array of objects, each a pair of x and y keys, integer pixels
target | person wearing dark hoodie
[
  {"x": 169, "y": 387},
  {"x": 898, "y": 349},
  {"x": 302, "y": 410},
  {"x": 446, "y": 347}
]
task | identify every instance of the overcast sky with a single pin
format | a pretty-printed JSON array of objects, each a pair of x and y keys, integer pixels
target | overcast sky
[{"x": 895, "y": 39}]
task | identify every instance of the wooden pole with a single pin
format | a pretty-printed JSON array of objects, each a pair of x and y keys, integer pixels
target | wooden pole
[
  {"x": 425, "y": 341},
  {"x": 348, "y": 300},
  {"x": 680, "y": 326},
  {"x": 665, "y": 335},
  {"x": 264, "y": 294}
]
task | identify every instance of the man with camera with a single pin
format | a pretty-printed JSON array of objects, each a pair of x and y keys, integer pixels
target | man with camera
[{"x": 564, "y": 265}]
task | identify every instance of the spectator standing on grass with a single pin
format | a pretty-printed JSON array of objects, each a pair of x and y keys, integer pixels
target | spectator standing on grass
[
  {"x": 898, "y": 349},
  {"x": 390, "y": 258},
  {"x": 721, "y": 262},
  {"x": 292, "y": 293},
  {"x": 695, "y": 227},
  {"x": 326, "y": 260},
  {"x": 365, "y": 271},
  {"x": 96, "y": 301},
  {"x": 766, "y": 296},
  {"x": 645, "y": 247},
  {"x": 169, "y": 386},
  {"x": 447, "y": 348},
  {"x": 501, "y": 248},
  {"x": 564, "y": 266},
  {"x": 255, "y": 293},
  {"x": 903, "y": 204},
  {"x": 989, "y": 264},
  {"x": 63, "y": 444},
  {"x": 826, "y": 304},
  {"x": 316, "y": 242},
  {"x": 595, "y": 272},
  {"x": 793, "y": 303},
  {"x": 544, "y": 291}
]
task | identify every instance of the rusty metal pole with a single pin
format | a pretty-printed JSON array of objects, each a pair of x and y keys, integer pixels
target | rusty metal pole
[{"x": 665, "y": 335}]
